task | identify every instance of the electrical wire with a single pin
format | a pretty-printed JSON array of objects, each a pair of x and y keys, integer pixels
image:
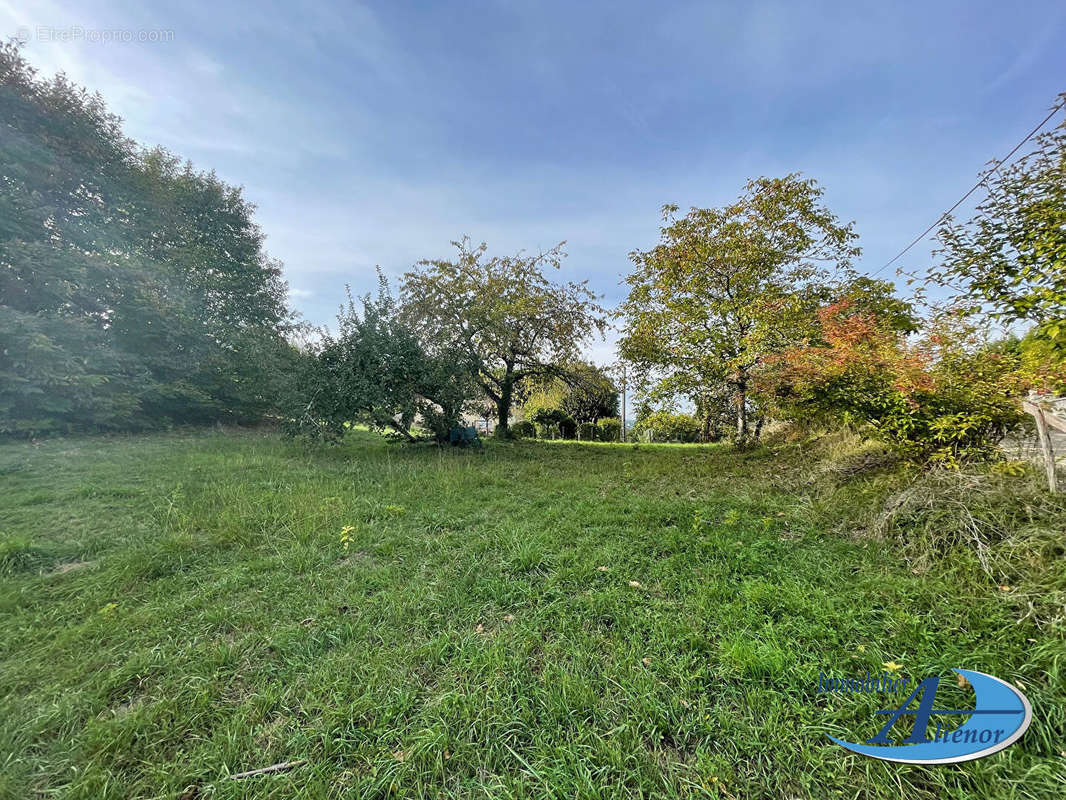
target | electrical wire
[{"x": 973, "y": 189}]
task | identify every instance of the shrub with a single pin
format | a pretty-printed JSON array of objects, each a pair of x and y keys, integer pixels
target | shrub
[
  {"x": 524, "y": 430},
  {"x": 553, "y": 423},
  {"x": 588, "y": 432},
  {"x": 665, "y": 426},
  {"x": 944, "y": 399},
  {"x": 610, "y": 429}
]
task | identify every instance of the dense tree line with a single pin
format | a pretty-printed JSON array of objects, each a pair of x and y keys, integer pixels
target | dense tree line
[
  {"x": 476, "y": 334},
  {"x": 134, "y": 290},
  {"x": 753, "y": 311}
]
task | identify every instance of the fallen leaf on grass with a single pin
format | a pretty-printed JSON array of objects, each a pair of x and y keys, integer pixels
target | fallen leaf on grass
[
  {"x": 508, "y": 617},
  {"x": 646, "y": 662},
  {"x": 480, "y": 628},
  {"x": 963, "y": 683},
  {"x": 635, "y": 584},
  {"x": 603, "y": 569},
  {"x": 399, "y": 755}
]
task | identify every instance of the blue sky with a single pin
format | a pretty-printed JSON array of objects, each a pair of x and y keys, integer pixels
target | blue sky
[{"x": 374, "y": 134}]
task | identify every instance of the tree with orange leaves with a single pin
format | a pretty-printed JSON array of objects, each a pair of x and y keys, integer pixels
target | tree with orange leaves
[{"x": 943, "y": 398}]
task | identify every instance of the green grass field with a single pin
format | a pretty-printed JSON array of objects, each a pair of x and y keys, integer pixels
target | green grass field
[{"x": 526, "y": 620}]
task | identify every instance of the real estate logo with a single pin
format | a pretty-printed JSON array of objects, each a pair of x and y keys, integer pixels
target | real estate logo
[{"x": 1001, "y": 714}]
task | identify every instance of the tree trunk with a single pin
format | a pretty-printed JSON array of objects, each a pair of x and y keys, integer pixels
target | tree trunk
[
  {"x": 406, "y": 432},
  {"x": 503, "y": 408},
  {"x": 742, "y": 411}
]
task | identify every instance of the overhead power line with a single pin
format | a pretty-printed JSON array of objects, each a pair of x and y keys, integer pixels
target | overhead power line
[{"x": 973, "y": 189}]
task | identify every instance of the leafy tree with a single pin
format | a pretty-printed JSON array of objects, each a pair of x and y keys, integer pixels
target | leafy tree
[
  {"x": 727, "y": 286},
  {"x": 589, "y": 394},
  {"x": 1010, "y": 258},
  {"x": 544, "y": 408},
  {"x": 506, "y": 321},
  {"x": 542, "y": 396},
  {"x": 57, "y": 362},
  {"x": 133, "y": 291},
  {"x": 581, "y": 390},
  {"x": 375, "y": 371}
]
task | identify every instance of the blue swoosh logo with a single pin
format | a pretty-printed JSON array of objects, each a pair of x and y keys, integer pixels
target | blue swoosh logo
[{"x": 1009, "y": 706}]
